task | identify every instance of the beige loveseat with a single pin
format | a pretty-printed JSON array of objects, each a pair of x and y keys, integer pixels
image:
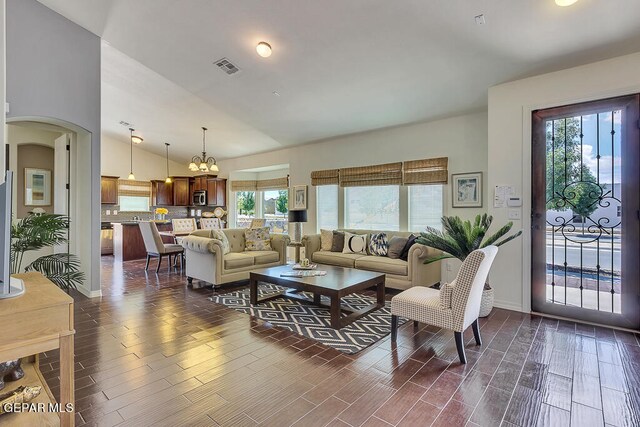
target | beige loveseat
[
  {"x": 399, "y": 274},
  {"x": 206, "y": 261}
]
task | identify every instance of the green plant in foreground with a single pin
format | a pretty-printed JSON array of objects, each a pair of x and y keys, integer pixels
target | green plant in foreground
[{"x": 38, "y": 231}]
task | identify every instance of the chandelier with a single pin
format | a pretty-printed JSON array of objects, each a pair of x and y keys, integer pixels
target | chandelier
[{"x": 203, "y": 163}]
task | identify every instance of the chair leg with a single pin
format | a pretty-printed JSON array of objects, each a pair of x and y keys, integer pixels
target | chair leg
[
  {"x": 460, "y": 346},
  {"x": 159, "y": 262},
  {"x": 416, "y": 324},
  {"x": 476, "y": 332},
  {"x": 146, "y": 266},
  {"x": 394, "y": 328}
]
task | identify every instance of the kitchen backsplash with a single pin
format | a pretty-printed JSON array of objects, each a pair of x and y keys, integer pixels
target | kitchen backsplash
[{"x": 174, "y": 212}]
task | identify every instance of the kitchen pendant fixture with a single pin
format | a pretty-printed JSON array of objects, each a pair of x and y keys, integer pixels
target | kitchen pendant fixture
[
  {"x": 203, "y": 163},
  {"x": 168, "y": 180},
  {"x": 131, "y": 175}
]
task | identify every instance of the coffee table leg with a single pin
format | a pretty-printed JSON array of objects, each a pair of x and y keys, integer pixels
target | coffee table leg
[
  {"x": 380, "y": 292},
  {"x": 253, "y": 291},
  {"x": 335, "y": 312},
  {"x": 316, "y": 299}
]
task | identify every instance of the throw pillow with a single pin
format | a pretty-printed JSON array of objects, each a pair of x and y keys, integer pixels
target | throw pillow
[
  {"x": 446, "y": 292},
  {"x": 396, "y": 245},
  {"x": 326, "y": 239},
  {"x": 378, "y": 244},
  {"x": 405, "y": 251},
  {"x": 355, "y": 244},
  {"x": 257, "y": 239},
  {"x": 337, "y": 243},
  {"x": 219, "y": 235}
]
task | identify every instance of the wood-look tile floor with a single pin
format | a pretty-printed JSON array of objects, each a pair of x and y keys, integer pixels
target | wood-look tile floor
[{"x": 153, "y": 352}]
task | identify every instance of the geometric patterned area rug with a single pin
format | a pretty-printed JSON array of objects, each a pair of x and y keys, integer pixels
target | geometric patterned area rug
[{"x": 314, "y": 322}]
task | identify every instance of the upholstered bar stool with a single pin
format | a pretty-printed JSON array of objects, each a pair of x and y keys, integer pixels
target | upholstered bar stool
[{"x": 155, "y": 247}]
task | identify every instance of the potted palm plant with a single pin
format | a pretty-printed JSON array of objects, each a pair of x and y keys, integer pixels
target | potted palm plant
[
  {"x": 459, "y": 238},
  {"x": 41, "y": 230}
]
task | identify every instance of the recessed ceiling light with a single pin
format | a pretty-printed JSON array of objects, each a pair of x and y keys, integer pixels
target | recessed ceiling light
[
  {"x": 264, "y": 49},
  {"x": 275, "y": 93},
  {"x": 480, "y": 19},
  {"x": 564, "y": 3}
]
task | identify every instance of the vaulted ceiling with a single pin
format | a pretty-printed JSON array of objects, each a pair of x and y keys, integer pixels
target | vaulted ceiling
[{"x": 338, "y": 66}]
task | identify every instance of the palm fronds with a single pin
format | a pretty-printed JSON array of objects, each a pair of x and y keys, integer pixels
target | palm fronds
[
  {"x": 460, "y": 238},
  {"x": 62, "y": 269}
]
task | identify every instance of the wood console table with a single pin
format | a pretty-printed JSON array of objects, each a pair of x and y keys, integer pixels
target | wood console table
[{"x": 38, "y": 321}]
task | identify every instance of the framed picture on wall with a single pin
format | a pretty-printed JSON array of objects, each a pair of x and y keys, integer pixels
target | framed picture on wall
[
  {"x": 467, "y": 190},
  {"x": 37, "y": 187},
  {"x": 299, "y": 198}
]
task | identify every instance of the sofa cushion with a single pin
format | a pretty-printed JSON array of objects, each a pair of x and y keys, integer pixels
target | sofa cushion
[
  {"x": 263, "y": 257},
  {"x": 237, "y": 260},
  {"x": 355, "y": 243},
  {"x": 335, "y": 258},
  {"x": 378, "y": 244},
  {"x": 383, "y": 265},
  {"x": 219, "y": 234},
  {"x": 235, "y": 236},
  {"x": 337, "y": 244},
  {"x": 326, "y": 239},
  {"x": 405, "y": 251},
  {"x": 396, "y": 245},
  {"x": 257, "y": 239}
]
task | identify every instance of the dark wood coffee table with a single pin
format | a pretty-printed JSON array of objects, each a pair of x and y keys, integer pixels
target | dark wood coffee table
[{"x": 338, "y": 283}]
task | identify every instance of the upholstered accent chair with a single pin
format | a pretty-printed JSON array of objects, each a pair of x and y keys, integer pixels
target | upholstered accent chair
[
  {"x": 210, "y": 224},
  {"x": 155, "y": 247},
  {"x": 456, "y": 306}
]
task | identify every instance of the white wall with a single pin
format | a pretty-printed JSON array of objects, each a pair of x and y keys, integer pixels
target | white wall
[
  {"x": 509, "y": 127},
  {"x": 53, "y": 73},
  {"x": 3, "y": 98},
  {"x": 146, "y": 166},
  {"x": 462, "y": 138}
]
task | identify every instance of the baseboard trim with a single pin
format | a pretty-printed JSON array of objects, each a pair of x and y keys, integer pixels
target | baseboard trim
[
  {"x": 90, "y": 294},
  {"x": 508, "y": 306}
]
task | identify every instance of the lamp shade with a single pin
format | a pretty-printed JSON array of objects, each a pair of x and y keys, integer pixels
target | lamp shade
[{"x": 298, "y": 216}]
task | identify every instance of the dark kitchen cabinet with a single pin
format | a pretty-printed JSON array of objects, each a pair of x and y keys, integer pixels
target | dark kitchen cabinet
[
  {"x": 109, "y": 190},
  {"x": 200, "y": 183},
  {"x": 161, "y": 193},
  {"x": 181, "y": 191},
  {"x": 216, "y": 192}
]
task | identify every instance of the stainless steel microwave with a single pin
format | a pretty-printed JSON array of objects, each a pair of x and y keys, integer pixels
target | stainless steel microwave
[{"x": 200, "y": 198}]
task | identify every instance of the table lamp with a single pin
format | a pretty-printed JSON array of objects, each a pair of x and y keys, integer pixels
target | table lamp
[{"x": 296, "y": 218}]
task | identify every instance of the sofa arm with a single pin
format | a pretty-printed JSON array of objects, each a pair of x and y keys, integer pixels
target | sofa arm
[
  {"x": 422, "y": 274},
  {"x": 311, "y": 243},
  {"x": 279, "y": 243},
  {"x": 202, "y": 244}
]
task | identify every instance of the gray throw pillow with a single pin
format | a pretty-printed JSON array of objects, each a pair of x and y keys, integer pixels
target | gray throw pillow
[
  {"x": 396, "y": 245},
  {"x": 338, "y": 241}
]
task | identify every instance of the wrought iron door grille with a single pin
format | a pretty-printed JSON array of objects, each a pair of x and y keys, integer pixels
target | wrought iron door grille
[{"x": 584, "y": 211}]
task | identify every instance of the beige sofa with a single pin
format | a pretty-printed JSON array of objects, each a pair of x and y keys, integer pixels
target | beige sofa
[
  {"x": 399, "y": 274},
  {"x": 206, "y": 261}
]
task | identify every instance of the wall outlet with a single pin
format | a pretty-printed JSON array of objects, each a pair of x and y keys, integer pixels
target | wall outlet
[
  {"x": 107, "y": 212},
  {"x": 514, "y": 214},
  {"x": 115, "y": 212}
]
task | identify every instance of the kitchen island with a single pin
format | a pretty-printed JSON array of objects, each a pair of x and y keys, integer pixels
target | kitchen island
[{"x": 127, "y": 240}]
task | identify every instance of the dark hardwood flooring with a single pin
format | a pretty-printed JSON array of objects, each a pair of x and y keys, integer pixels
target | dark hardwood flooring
[{"x": 153, "y": 352}]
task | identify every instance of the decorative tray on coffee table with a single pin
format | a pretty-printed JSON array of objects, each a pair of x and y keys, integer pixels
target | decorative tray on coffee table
[{"x": 308, "y": 267}]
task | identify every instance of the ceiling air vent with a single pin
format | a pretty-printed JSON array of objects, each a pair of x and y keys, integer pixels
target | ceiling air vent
[
  {"x": 225, "y": 65},
  {"x": 127, "y": 124}
]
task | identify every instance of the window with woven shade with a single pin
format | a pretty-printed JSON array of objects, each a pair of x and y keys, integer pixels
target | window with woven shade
[
  {"x": 134, "y": 196},
  {"x": 245, "y": 185},
  {"x": 273, "y": 184},
  {"x": 325, "y": 177},
  {"x": 426, "y": 171},
  {"x": 375, "y": 175}
]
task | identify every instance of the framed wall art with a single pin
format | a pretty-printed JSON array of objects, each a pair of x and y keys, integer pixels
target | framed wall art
[
  {"x": 299, "y": 197},
  {"x": 467, "y": 190},
  {"x": 37, "y": 187}
]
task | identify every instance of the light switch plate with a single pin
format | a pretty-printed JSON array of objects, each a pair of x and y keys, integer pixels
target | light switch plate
[
  {"x": 514, "y": 214},
  {"x": 107, "y": 212}
]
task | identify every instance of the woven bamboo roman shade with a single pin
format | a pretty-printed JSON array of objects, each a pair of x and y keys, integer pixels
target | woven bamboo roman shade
[
  {"x": 243, "y": 186},
  {"x": 273, "y": 184},
  {"x": 426, "y": 171},
  {"x": 386, "y": 174},
  {"x": 128, "y": 187},
  {"x": 325, "y": 177}
]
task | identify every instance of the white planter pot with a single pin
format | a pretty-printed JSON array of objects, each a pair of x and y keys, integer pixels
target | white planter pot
[{"x": 486, "y": 303}]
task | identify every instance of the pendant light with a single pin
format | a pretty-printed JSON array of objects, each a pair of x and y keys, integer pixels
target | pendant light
[
  {"x": 131, "y": 175},
  {"x": 203, "y": 163},
  {"x": 168, "y": 180}
]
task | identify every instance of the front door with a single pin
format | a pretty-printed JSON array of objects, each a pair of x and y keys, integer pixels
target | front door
[{"x": 586, "y": 211}]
